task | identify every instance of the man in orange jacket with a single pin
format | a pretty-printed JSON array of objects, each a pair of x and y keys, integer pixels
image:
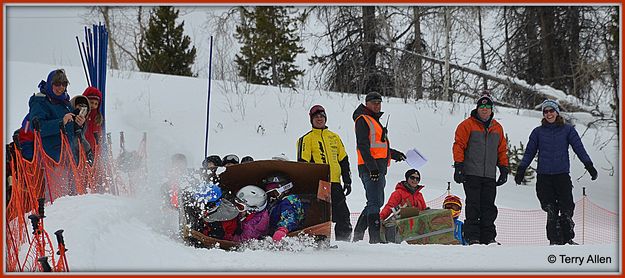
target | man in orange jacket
[
  {"x": 479, "y": 149},
  {"x": 374, "y": 157}
]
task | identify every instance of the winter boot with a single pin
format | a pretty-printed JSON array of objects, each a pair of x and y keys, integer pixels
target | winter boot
[
  {"x": 571, "y": 242},
  {"x": 474, "y": 241},
  {"x": 361, "y": 226},
  {"x": 374, "y": 228},
  {"x": 554, "y": 233}
]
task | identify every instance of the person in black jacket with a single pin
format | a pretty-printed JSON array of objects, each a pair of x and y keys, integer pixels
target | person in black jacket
[{"x": 374, "y": 157}]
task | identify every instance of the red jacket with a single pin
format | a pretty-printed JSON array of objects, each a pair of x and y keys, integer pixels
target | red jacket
[
  {"x": 93, "y": 128},
  {"x": 401, "y": 196}
]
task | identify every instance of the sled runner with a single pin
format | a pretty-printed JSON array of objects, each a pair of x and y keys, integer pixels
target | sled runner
[{"x": 310, "y": 183}]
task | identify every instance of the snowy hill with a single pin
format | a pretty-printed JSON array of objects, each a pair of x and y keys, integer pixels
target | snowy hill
[{"x": 110, "y": 233}]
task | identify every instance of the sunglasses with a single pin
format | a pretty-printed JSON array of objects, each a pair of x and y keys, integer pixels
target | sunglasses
[
  {"x": 485, "y": 106},
  {"x": 58, "y": 84},
  {"x": 416, "y": 178},
  {"x": 547, "y": 111}
]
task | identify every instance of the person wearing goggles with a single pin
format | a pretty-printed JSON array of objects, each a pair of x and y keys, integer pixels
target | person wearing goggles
[
  {"x": 479, "y": 149},
  {"x": 453, "y": 203},
  {"x": 208, "y": 212},
  {"x": 286, "y": 210},
  {"x": 251, "y": 202}
]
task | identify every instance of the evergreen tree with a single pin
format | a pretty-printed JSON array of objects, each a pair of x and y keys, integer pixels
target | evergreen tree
[
  {"x": 515, "y": 155},
  {"x": 270, "y": 45},
  {"x": 164, "y": 47}
]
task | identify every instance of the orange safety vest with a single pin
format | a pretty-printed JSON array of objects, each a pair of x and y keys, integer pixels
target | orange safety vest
[{"x": 377, "y": 148}]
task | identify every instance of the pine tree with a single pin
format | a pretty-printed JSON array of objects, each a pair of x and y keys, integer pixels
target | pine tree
[
  {"x": 165, "y": 49},
  {"x": 270, "y": 45},
  {"x": 515, "y": 155}
]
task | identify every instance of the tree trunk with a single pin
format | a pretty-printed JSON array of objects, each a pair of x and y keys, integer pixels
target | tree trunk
[
  {"x": 418, "y": 49},
  {"x": 105, "y": 11},
  {"x": 370, "y": 53},
  {"x": 447, "y": 77},
  {"x": 483, "y": 64}
]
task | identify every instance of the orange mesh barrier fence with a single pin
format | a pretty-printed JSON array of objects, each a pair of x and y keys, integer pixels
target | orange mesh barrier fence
[
  {"x": 42, "y": 177},
  {"x": 593, "y": 224}
]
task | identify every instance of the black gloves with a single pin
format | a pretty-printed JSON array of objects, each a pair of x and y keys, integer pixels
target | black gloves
[
  {"x": 374, "y": 174},
  {"x": 503, "y": 175},
  {"x": 459, "y": 172},
  {"x": 397, "y": 155},
  {"x": 591, "y": 170},
  {"x": 347, "y": 188},
  {"x": 520, "y": 175}
]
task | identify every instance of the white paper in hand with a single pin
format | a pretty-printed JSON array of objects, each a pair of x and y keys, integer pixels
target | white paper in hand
[{"x": 415, "y": 159}]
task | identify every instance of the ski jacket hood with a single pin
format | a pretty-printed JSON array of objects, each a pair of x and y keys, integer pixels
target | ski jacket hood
[{"x": 46, "y": 88}]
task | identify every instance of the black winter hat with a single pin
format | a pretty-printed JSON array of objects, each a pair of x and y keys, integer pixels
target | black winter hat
[
  {"x": 247, "y": 159},
  {"x": 215, "y": 159},
  {"x": 485, "y": 99},
  {"x": 410, "y": 172},
  {"x": 373, "y": 96}
]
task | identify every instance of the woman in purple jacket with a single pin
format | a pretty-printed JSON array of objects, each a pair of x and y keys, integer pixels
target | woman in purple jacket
[{"x": 554, "y": 189}]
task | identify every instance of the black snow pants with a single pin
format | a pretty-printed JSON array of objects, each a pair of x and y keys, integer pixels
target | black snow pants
[
  {"x": 480, "y": 209},
  {"x": 340, "y": 214},
  {"x": 555, "y": 193}
]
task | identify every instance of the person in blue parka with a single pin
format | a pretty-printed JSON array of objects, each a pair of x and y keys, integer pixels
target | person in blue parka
[
  {"x": 50, "y": 111},
  {"x": 554, "y": 189}
]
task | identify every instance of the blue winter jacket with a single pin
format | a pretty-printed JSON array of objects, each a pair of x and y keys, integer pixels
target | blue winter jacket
[
  {"x": 287, "y": 212},
  {"x": 46, "y": 114},
  {"x": 552, "y": 141}
]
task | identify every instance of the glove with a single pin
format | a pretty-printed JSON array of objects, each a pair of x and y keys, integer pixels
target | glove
[
  {"x": 400, "y": 157},
  {"x": 520, "y": 175},
  {"x": 591, "y": 170},
  {"x": 374, "y": 175},
  {"x": 279, "y": 234},
  {"x": 459, "y": 172},
  {"x": 503, "y": 175},
  {"x": 347, "y": 188}
]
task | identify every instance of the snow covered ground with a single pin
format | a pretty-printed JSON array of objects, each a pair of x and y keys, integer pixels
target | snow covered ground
[{"x": 128, "y": 234}]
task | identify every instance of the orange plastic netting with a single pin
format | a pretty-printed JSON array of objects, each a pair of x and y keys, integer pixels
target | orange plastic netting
[{"x": 593, "y": 224}]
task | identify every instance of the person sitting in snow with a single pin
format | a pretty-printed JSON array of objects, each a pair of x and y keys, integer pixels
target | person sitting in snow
[
  {"x": 208, "y": 212},
  {"x": 286, "y": 211},
  {"x": 209, "y": 168},
  {"x": 251, "y": 201},
  {"x": 453, "y": 203},
  {"x": 407, "y": 194},
  {"x": 230, "y": 159}
]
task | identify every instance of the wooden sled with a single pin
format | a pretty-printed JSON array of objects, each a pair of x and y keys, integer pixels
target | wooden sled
[{"x": 310, "y": 183}]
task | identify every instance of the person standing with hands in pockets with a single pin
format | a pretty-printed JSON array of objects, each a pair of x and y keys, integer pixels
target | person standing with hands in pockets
[
  {"x": 479, "y": 149},
  {"x": 374, "y": 157},
  {"x": 554, "y": 189}
]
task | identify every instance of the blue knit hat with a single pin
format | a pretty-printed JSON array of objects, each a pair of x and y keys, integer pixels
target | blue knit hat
[{"x": 548, "y": 103}]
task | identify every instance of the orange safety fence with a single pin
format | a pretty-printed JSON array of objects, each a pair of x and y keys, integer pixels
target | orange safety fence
[
  {"x": 43, "y": 177},
  {"x": 593, "y": 224}
]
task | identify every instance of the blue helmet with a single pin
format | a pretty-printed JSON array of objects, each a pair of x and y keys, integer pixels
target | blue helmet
[{"x": 209, "y": 195}]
